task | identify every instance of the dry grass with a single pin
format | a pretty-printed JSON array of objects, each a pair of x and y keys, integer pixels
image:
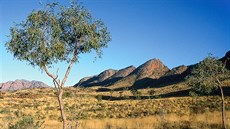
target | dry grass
[
  {"x": 91, "y": 113},
  {"x": 206, "y": 120}
]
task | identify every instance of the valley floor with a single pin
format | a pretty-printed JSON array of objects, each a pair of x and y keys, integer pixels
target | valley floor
[
  {"x": 208, "y": 120},
  {"x": 107, "y": 110}
]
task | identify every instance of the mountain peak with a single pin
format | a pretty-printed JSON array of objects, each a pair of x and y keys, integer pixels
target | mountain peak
[
  {"x": 106, "y": 74},
  {"x": 153, "y": 68}
]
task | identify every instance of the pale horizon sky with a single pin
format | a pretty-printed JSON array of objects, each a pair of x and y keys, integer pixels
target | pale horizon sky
[{"x": 178, "y": 32}]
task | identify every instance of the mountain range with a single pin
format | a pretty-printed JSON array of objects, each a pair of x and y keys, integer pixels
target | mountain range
[
  {"x": 152, "y": 73},
  {"x": 21, "y": 84}
]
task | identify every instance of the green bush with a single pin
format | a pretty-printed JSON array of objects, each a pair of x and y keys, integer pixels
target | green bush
[
  {"x": 26, "y": 122},
  {"x": 136, "y": 93},
  {"x": 67, "y": 94},
  {"x": 99, "y": 98},
  {"x": 4, "y": 111},
  {"x": 152, "y": 94}
]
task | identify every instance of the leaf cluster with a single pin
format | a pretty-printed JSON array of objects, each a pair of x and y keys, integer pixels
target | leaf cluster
[
  {"x": 26, "y": 122},
  {"x": 57, "y": 33},
  {"x": 203, "y": 77}
]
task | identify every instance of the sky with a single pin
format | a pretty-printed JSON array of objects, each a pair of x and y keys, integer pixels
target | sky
[{"x": 178, "y": 32}]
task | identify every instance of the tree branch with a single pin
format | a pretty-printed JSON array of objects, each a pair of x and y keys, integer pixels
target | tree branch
[
  {"x": 55, "y": 85},
  {"x": 218, "y": 81},
  {"x": 51, "y": 75},
  {"x": 69, "y": 67}
]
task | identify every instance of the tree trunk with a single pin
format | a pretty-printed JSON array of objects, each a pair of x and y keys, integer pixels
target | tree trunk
[
  {"x": 223, "y": 108},
  {"x": 59, "y": 87},
  {"x": 61, "y": 105}
]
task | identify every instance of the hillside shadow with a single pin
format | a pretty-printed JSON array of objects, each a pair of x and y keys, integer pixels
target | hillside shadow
[
  {"x": 105, "y": 83},
  {"x": 226, "y": 91},
  {"x": 86, "y": 82},
  {"x": 113, "y": 98},
  {"x": 162, "y": 81},
  {"x": 168, "y": 95},
  {"x": 157, "y": 83},
  {"x": 182, "y": 93}
]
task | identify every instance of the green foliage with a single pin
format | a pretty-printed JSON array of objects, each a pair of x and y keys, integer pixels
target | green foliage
[
  {"x": 4, "y": 111},
  {"x": 99, "y": 98},
  {"x": 18, "y": 113},
  {"x": 152, "y": 92},
  {"x": 56, "y": 33},
  {"x": 26, "y": 122},
  {"x": 136, "y": 93},
  {"x": 68, "y": 94},
  {"x": 204, "y": 76}
]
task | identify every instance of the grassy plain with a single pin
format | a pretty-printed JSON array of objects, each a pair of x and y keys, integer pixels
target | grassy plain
[{"x": 114, "y": 110}]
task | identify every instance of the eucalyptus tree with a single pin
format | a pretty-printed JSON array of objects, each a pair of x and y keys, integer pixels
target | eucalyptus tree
[
  {"x": 56, "y": 34},
  {"x": 207, "y": 77}
]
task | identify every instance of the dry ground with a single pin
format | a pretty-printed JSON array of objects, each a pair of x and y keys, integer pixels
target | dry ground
[{"x": 113, "y": 110}]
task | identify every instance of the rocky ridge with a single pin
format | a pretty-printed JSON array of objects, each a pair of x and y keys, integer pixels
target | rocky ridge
[
  {"x": 97, "y": 79},
  {"x": 152, "y": 73},
  {"x": 152, "y": 69},
  {"x": 21, "y": 84}
]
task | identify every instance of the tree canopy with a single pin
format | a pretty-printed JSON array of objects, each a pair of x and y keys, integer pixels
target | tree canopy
[
  {"x": 57, "y": 33},
  {"x": 205, "y": 75}
]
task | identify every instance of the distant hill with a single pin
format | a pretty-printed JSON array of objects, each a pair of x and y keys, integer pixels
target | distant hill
[
  {"x": 97, "y": 79},
  {"x": 106, "y": 77},
  {"x": 152, "y": 73},
  {"x": 120, "y": 74},
  {"x": 125, "y": 77},
  {"x": 21, "y": 84}
]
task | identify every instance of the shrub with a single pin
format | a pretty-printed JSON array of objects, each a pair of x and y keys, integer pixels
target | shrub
[
  {"x": 136, "y": 93},
  {"x": 67, "y": 94},
  {"x": 4, "y": 111},
  {"x": 152, "y": 93},
  {"x": 18, "y": 113},
  {"x": 26, "y": 122},
  {"x": 99, "y": 98}
]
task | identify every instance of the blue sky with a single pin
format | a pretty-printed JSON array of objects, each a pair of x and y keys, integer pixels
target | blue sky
[{"x": 175, "y": 31}]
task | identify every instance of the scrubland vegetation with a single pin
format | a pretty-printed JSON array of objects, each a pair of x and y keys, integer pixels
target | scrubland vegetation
[{"x": 89, "y": 109}]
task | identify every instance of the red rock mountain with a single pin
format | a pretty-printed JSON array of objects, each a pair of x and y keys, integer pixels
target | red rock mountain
[
  {"x": 120, "y": 74},
  {"x": 177, "y": 70},
  {"x": 95, "y": 80},
  {"x": 152, "y": 73},
  {"x": 21, "y": 84},
  {"x": 152, "y": 69},
  {"x": 123, "y": 72},
  {"x": 174, "y": 75},
  {"x": 106, "y": 77}
]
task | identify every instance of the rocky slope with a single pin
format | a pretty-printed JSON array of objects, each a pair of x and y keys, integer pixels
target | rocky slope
[
  {"x": 152, "y": 69},
  {"x": 120, "y": 74},
  {"x": 106, "y": 77},
  {"x": 21, "y": 84},
  {"x": 173, "y": 76},
  {"x": 97, "y": 79},
  {"x": 123, "y": 72}
]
